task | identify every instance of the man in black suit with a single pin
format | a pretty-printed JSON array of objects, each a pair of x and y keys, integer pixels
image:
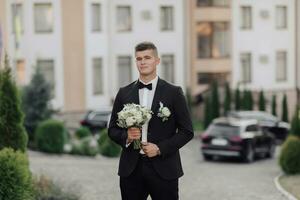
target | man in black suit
[{"x": 154, "y": 170}]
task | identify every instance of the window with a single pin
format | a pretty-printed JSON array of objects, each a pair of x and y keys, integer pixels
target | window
[
  {"x": 124, "y": 63},
  {"x": 20, "y": 72},
  {"x": 246, "y": 17},
  {"x": 47, "y": 69},
  {"x": 17, "y": 18},
  {"x": 213, "y": 39},
  {"x": 281, "y": 66},
  {"x": 252, "y": 128},
  {"x": 97, "y": 76},
  {"x": 245, "y": 67},
  {"x": 124, "y": 18},
  {"x": 167, "y": 62},
  {"x": 209, "y": 78},
  {"x": 166, "y": 18},
  {"x": 96, "y": 17},
  {"x": 43, "y": 18},
  {"x": 206, "y": 3},
  {"x": 281, "y": 17}
]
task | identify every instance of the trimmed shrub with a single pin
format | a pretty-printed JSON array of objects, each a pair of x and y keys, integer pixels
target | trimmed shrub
[
  {"x": 83, "y": 132},
  {"x": 36, "y": 103},
  {"x": 90, "y": 146},
  {"x": 107, "y": 147},
  {"x": 51, "y": 136},
  {"x": 77, "y": 147},
  {"x": 15, "y": 181},
  {"x": 12, "y": 131},
  {"x": 289, "y": 156},
  {"x": 46, "y": 189},
  {"x": 87, "y": 146}
]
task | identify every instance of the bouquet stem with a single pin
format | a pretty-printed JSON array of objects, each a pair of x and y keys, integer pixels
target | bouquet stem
[{"x": 136, "y": 144}]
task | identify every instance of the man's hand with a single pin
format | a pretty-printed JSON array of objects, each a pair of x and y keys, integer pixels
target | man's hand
[
  {"x": 150, "y": 149},
  {"x": 133, "y": 134}
]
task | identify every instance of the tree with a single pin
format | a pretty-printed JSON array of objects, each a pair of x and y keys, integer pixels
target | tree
[
  {"x": 12, "y": 131},
  {"x": 227, "y": 100},
  {"x": 274, "y": 105},
  {"x": 36, "y": 102},
  {"x": 295, "y": 125},
  {"x": 237, "y": 99},
  {"x": 244, "y": 102},
  {"x": 284, "y": 109},
  {"x": 215, "y": 103},
  {"x": 250, "y": 100},
  {"x": 207, "y": 112},
  {"x": 262, "y": 101}
]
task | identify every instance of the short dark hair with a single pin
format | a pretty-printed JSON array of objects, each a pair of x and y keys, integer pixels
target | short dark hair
[{"x": 146, "y": 46}]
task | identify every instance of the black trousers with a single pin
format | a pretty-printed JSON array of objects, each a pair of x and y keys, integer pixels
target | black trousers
[{"x": 144, "y": 181}]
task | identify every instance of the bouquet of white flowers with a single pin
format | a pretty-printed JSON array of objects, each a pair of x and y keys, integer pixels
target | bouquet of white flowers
[{"x": 134, "y": 115}]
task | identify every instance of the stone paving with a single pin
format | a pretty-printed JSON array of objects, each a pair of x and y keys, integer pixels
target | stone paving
[{"x": 96, "y": 178}]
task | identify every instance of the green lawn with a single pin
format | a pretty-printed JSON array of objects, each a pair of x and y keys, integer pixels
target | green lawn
[{"x": 291, "y": 184}]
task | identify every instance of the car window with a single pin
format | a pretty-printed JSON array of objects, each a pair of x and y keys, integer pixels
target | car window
[
  {"x": 251, "y": 128},
  {"x": 223, "y": 130},
  {"x": 99, "y": 116}
]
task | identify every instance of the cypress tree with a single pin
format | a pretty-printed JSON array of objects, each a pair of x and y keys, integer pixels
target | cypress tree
[
  {"x": 244, "y": 102},
  {"x": 262, "y": 101},
  {"x": 284, "y": 109},
  {"x": 237, "y": 99},
  {"x": 215, "y": 103},
  {"x": 12, "y": 131},
  {"x": 36, "y": 102},
  {"x": 274, "y": 105},
  {"x": 250, "y": 97},
  {"x": 227, "y": 100},
  {"x": 207, "y": 112},
  {"x": 295, "y": 125}
]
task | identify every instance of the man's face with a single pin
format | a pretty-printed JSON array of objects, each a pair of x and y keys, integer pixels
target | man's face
[{"x": 146, "y": 62}]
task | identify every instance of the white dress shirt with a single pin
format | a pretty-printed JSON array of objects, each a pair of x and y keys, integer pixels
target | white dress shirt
[{"x": 146, "y": 98}]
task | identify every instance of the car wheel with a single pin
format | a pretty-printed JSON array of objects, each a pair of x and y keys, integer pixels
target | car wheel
[
  {"x": 271, "y": 151},
  {"x": 207, "y": 157},
  {"x": 249, "y": 156}
]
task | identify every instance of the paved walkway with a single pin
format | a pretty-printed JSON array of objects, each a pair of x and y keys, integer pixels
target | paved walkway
[{"x": 96, "y": 178}]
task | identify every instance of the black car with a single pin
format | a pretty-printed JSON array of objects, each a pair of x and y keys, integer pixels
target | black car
[
  {"x": 242, "y": 138},
  {"x": 96, "y": 120},
  {"x": 267, "y": 121}
]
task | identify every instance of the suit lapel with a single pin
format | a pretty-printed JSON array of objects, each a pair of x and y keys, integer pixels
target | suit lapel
[
  {"x": 135, "y": 93},
  {"x": 157, "y": 95}
]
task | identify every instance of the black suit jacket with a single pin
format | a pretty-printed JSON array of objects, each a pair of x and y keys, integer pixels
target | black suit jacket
[{"x": 169, "y": 135}]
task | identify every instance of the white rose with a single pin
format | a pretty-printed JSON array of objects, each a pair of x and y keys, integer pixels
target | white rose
[
  {"x": 148, "y": 116},
  {"x": 166, "y": 112},
  {"x": 130, "y": 121}
]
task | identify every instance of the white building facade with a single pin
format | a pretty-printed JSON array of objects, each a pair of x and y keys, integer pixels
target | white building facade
[
  {"x": 111, "y": 29},
  {"x": 264, "y": 46}
]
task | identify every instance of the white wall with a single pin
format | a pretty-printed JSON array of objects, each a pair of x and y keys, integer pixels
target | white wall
[
  {"x": 39, "y": 46},
  {"x": 110, "y": 44},
  {"x": 264, "y": 39}
]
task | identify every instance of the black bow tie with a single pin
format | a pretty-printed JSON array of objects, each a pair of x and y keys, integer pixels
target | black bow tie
[{"x": 142, "y": 85}]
